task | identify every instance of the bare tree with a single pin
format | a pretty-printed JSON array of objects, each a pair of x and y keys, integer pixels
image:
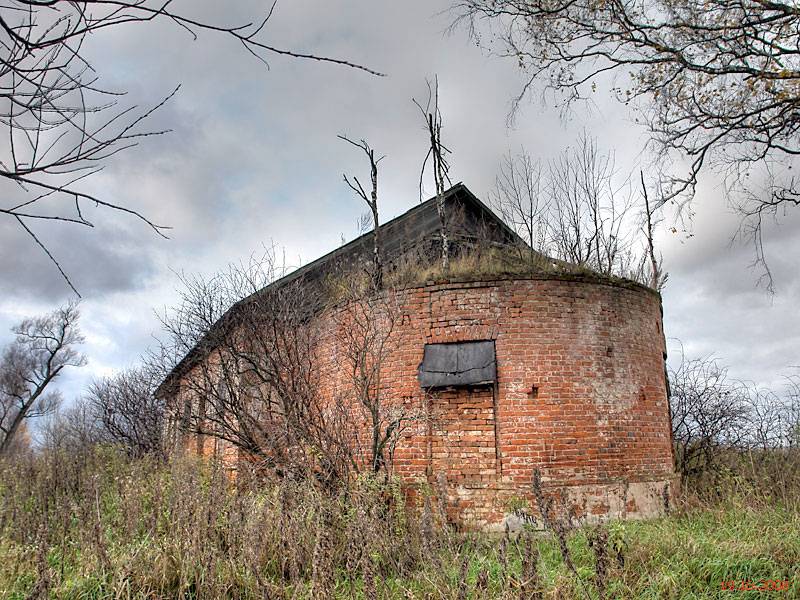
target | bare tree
[
  {"x": 709, "y": 412},
  {"x": 587, "y": 212},
  {"x": 772, "y": 449},
  {"x": 715, "y": 82},
  {"x": 657, "y": 277},
  {"x": 765, "y": 412},
  {"x": 722, "y": 425},
  {"x": 43, "y": 347},
  {"x": 363, "y": 330},
  {"x": 73, "y": 428},
  {"x": 253, "y": 380},
  {"x": 128, "y": 411},
  {"x": 522, "y": 203},
  {"x": 62, "y": 124},
  {"x": 440, "y": 168},
  {"x": 372, "y": 203},
  {"x": 575, "y": 210}
]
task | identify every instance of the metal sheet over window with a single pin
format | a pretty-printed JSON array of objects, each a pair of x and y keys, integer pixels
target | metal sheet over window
[{"x": 461, "y": 363}]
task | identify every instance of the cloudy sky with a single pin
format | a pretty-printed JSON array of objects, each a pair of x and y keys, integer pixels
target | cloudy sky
[{"x": 253, "y": 159}]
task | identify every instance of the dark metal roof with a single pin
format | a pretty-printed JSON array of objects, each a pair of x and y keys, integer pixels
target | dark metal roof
[{"x": 470, "y": 219}]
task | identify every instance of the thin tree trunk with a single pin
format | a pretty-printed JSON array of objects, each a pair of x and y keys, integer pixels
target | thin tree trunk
[
  {"x": 438, "y": 176},
  {"x": 20, "y": 416},
  {"x": 655, "y": 270},
  {"x": 377, "y": 261}
]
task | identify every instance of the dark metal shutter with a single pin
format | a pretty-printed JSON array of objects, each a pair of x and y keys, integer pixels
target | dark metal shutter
[{"x": 458, "y": 364}]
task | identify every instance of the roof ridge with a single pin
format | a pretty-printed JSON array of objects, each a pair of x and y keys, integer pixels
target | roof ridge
[{"x": 458, "y": 190}]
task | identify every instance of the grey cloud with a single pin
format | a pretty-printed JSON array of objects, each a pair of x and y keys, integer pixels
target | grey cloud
[
  {"x": 713, "y": 304},
  {"x": 253, "y": 159},
  {"x": 102, "y": 260}
]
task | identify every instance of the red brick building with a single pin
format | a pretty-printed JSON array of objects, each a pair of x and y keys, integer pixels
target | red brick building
[{"x": 557, "y": 371}]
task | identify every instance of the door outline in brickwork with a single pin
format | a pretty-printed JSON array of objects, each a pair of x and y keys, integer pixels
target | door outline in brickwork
[
  {"x": 463, "y": 442},
  {"x": 463, "y": 448}
]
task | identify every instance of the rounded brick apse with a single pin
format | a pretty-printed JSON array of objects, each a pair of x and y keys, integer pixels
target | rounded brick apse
[{"x": 560, "y": 375}]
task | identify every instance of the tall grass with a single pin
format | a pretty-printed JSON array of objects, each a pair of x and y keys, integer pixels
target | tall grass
[{"x": 100, "y": 525}]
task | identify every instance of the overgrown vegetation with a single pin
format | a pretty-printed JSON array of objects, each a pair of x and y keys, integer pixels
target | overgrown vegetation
[
  {"x": 99, "y": 524},
  {"x": 98, "y": 511},
  {"x": 723, "y": 427},
  {"x": 489, "y": 263}
]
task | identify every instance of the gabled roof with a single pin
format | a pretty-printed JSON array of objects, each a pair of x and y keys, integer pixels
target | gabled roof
[
  {"x": 470, "y": 218},
  {"x": 415, "y": 226}
]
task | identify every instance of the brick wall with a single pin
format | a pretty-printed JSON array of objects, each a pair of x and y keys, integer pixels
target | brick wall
[{"x": 580, "y": 395}]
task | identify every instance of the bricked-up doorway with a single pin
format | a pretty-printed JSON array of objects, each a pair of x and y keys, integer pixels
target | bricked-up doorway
[{"x": 463, "y": 446}]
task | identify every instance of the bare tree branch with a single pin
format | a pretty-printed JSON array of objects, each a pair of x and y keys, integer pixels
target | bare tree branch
[
  {"x": 42, "y": 348},
  {"x": 657, "y": 277},
  {"x": 372, "y": 202},
  {"x": 437, "y": 153},
  {"x": 715, "y": 82},
  {"x": 61, "y": 125}
]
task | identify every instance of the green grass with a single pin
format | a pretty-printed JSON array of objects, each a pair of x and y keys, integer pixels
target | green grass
[
  {"x": 113, "y": 528},
  {"x": 684, "y": 556},
  {"x": 687, "y": 555}
]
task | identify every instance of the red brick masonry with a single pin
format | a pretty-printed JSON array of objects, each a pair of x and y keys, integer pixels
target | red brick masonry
[{"x": 581, "y": 395}]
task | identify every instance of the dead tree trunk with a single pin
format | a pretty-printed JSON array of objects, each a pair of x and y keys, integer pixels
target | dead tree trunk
[
  {"x": 434, "y": 127},
  {"x": 436, "y": 154},
  {"x": 657, "y": 277},
  {"x": 372, "y": 202}
]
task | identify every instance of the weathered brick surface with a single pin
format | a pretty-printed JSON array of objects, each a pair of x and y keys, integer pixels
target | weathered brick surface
[{"x": 581, "y": 395}]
